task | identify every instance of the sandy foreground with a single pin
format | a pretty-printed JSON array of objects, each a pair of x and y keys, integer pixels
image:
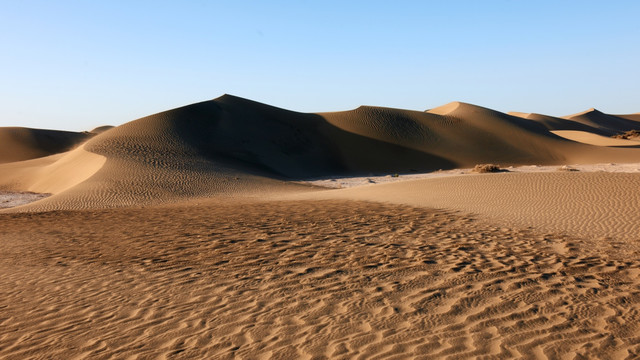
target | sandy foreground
[
  {"x": 183, "y": 235},
  {"x": 308, "y": 279}
]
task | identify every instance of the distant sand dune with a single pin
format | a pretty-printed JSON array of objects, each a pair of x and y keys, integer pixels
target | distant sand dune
[
  {"x": 592, "y": 121},
  {"x": 236, "y": 146},
  {"x": 18, "y": 144},
  {"x": 611, "y": 124},
  {"x": 633, "y": 117},
  {"x": 560, "y": 124},
  {"x": 594, "y": 139},
  {"x": 101, "y": 129}
]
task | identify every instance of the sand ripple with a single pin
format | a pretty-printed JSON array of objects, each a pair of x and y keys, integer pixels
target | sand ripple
[
  {"x": 327, "y": 279},
  {"x": 596, "y": 205}
]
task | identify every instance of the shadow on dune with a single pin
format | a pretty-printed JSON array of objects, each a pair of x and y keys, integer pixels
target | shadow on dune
[
  {"x": 263, "y": 140},
  {"x": 19, "y": 144},
  {"x": 232, "y": 145},
  {"x": 290, "y": 144},
  {"x": 606, "y": 124}
]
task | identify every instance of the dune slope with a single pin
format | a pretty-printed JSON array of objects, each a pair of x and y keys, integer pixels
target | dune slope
[
  {"x": 465, "y": 135},
  {"x": 177, "y": 235},
  {"x": 561, "y": 124},
  {"x": 231, "y": 145},
  {"x": 609, "y": 124},
  {"x": 591, "y": 138},
  {"x": 18, "y": 143}
]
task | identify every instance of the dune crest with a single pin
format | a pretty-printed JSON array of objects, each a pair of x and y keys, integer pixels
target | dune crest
[
  {"x": 101, "y": 129},
  {"x": 72, "y": 169},
  {"x": 19, "y": 144},
  {"x": 53, "y": 174},
  {"x": 235, "y": 146},
  {"x": 445, "y": 109},
  {"x": 608, "y": 124}
]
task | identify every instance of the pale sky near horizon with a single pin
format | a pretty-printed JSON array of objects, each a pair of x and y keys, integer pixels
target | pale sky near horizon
[{"x": 75, "y": 65}]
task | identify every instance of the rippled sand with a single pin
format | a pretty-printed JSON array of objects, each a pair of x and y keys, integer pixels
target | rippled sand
[
  {"x": 179, "y": 235},
  {"x": 308, "y": 279},
  {"x": 585, "y": 204}
]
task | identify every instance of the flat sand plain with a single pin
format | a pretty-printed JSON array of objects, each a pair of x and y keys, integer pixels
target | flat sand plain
[{"x": 188, "y": 234}]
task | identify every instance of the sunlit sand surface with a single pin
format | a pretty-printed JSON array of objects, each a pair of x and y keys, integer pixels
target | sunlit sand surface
[{"x": 232, "y": 229}]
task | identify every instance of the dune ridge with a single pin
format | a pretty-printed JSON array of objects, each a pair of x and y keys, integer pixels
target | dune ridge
[
  {"x": 182, "y": 235},
  {"x": 19, "y": 143},
  {"x": 610, "y": 124},
  {"x": 553, "y": 123},
  {"x": 232, "y": 146}
]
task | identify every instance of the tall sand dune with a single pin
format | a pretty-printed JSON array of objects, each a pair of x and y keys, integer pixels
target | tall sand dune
[
  {"x": 18, "y": 143},
  {"x": 465, "y": 135},
  {"x": 610, "y": 124},
  {"x": 160, "y": 158},
  {"x": 231, "y": 145}
]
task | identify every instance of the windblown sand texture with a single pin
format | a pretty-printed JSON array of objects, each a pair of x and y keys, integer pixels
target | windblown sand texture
[
  {"x": 590, "y": 205},
  {"x": 196, "y": 233}
]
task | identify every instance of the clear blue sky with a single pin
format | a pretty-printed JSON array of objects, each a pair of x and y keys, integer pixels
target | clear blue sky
[{"x": 79, "y": 64}]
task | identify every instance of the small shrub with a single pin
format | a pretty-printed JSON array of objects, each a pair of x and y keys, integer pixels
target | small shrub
[
  {"x": 486, "y": 168},
  {"x": 631, "y": 134}
]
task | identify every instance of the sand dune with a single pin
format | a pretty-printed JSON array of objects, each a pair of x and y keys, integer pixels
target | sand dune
[
  {"x": 18, "y": 144},
  {"x": 232, "y": 145},
  {"x": 181, "y": 235},
  {"x": 553, "y": 123},
  {"x": 53, "y": 174},
  {"x": 611, "y": 124},
  {"x": 454, "y": 136},
  {"x": 101, "y": 129},
  {"x": 466, "y": 135},
  {"x": 591, "y": 121},
  {"x": 594, "y": 139},
  {"x": 633, "y": 117}
]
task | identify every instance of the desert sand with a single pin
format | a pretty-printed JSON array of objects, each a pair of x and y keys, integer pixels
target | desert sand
[
  {"x": 17, "y": 143},
  {"x": 230, "y": 228},
  {"x": 586, "y": 137}
]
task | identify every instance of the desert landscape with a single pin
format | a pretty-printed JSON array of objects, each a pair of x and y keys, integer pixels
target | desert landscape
[{"x": 233, "y": 229}]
